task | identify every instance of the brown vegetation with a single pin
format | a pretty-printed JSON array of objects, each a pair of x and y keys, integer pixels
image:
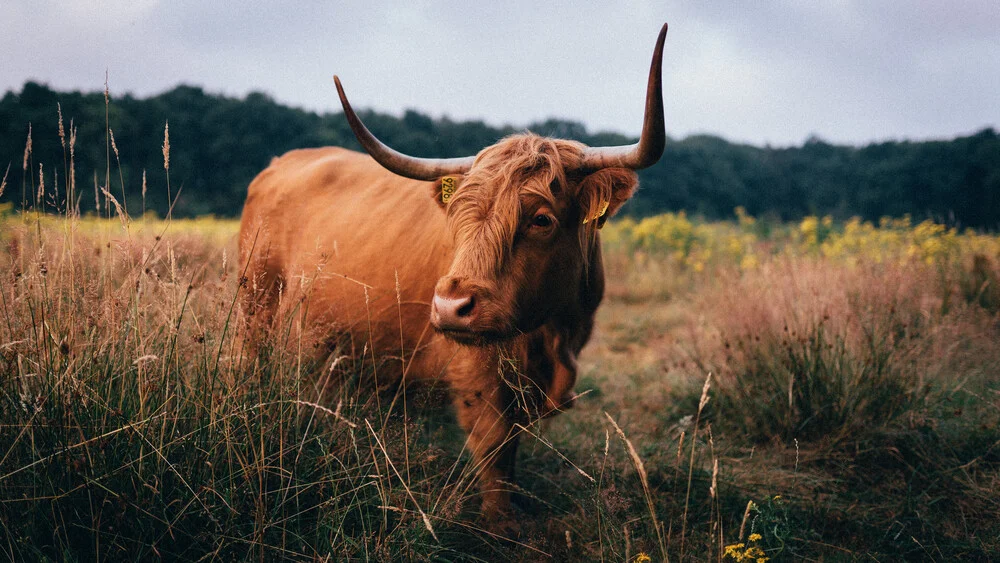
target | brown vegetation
[{"x": 135, "y": 426}]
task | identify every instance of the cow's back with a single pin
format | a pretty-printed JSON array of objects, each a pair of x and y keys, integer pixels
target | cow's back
[{"x": 328, "y": 232}]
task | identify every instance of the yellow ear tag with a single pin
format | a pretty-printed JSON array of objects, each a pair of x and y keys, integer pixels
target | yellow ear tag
[
  {"x": 604, "y": 209},
  {"x": 447, "y": 188}
]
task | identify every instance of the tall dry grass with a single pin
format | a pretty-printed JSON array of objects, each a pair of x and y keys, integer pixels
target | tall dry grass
[
  {"x": 852, "y": 409},
  {"x": 812, "y": 349},
  {"x": 855, "y": 376},
  {"x": 882, "y": 377},
  {"x": 138, "y": 424},
  {"x": 135, "y": 425}
]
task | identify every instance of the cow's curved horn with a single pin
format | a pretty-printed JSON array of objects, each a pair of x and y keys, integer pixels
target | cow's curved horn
[
  {"x": 397, "y": 162},
  {"x": 648, "y": 150}
]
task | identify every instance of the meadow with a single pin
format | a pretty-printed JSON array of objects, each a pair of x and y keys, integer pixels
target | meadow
[{"x": 754, "y": 391}]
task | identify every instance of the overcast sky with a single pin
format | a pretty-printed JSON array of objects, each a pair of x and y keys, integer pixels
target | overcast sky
[{"x": 761, "y": 72}]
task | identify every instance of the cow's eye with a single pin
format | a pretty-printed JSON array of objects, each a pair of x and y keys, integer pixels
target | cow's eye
[{"x": 542, "y": 221}]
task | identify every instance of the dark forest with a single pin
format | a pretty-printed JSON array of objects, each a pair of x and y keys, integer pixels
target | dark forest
[{"x": 218, "y": 144}]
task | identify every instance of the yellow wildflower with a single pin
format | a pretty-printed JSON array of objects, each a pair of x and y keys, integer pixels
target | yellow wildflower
[
  {"x": 749, "y": 262},
  {"x": 735, "y": 551}
]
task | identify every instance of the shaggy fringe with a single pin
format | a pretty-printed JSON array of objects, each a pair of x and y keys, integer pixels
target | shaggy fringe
[{"x": 527, "y": 168}]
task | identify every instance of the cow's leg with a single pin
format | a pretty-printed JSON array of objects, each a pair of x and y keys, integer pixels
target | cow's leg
[
  {"x": 484, "y": 405},
  {"x": 550, "y": 364},
  {"x": 261, "y": 288},
  {"x": 559, "y": 396},
  {"x": 259, "y": 305}
]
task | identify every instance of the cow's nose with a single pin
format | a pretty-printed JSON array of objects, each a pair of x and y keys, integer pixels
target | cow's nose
[{"x": 453, "y": 313}]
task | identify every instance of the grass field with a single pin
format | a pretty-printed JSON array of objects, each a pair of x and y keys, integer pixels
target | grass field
[{"x": 753, "y": 391}]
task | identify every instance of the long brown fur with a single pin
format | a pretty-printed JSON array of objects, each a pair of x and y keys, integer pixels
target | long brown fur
[{"x": 327, "y": 232}]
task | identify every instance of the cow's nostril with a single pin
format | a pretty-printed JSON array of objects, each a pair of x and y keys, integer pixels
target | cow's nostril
[
  {"x": 454, "y": 314},
  {"x": 466, "y": 309}
]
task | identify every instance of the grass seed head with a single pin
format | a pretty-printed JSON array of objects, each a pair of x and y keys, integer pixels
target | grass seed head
[
  {"x": 166, "y": 146},
  {"x": 41, "y": 183},
  {"x": 3, "y": 183},
  {"x": 27, "y": 150},
  {"x": 114, "y": 146},
  {"x": 62, "y": 131}
]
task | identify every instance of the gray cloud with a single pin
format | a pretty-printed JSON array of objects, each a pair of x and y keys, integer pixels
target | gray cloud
[{"x": 776, "y": 72}]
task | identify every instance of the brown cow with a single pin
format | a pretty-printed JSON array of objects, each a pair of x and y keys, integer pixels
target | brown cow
[{"x": 459, "y": 269}]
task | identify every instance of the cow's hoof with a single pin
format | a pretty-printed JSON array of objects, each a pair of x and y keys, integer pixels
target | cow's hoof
[
  {"x": 500, "y": 517},
  {"x": 504, "y": 524}
]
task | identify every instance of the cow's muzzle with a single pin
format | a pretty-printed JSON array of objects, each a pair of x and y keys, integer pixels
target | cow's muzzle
[
  {"x": 453, "y": 313},
  {"x": 461, "y": 310}
]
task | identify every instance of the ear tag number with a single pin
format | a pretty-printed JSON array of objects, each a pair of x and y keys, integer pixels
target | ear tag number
[{"x": 447, "y": 188}]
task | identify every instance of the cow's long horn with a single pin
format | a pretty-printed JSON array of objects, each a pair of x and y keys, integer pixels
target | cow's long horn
[
  {"x": 648, "y": 150},
  {"x": 397, "y": 162}
]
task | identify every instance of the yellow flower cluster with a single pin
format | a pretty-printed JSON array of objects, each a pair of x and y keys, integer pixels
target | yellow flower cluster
[
  {"x": 149, "y": 225},
  {"x": 741, "y": 552},
  {"x": 931, "y": 242},
  {"x": 897, "y": 240},
  {"x": 699, "y": 245},
  {"x": 690, "y": 244},
  {"x": 815, "y": 230}
]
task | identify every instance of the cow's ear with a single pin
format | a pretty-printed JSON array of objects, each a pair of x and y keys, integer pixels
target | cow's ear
[
  {"x": 604, "y": 191},
  {"x": 444, "y": 188}
]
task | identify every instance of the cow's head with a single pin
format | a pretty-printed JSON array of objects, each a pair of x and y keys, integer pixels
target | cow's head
[{"x": 524, "y": 214}]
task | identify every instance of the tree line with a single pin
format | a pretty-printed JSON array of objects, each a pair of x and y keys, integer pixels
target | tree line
[{"x": 218, "y": 143}]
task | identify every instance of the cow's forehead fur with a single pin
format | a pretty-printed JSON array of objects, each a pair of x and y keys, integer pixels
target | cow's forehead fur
[{"x": 486, "y": 210}]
